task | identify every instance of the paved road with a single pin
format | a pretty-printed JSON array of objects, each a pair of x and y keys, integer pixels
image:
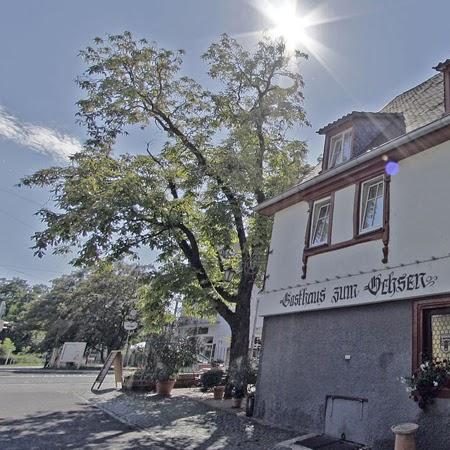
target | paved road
[{"x": 49, "y": 411}]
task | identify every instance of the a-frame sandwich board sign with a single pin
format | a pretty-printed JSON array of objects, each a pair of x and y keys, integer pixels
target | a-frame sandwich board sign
[{"x": 115, "y": 357}]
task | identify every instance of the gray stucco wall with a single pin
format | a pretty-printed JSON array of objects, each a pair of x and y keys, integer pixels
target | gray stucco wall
[{"x": 303, "y": 362}]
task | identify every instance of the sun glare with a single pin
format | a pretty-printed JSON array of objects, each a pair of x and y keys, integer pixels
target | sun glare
[
  {"x": 297, "y": 26},
  {"x": 287, "y": 23}
]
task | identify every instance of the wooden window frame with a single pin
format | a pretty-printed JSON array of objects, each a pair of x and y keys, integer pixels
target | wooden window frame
[
  {"x": 378, "y": 234},
  {"x": 363, "y": 206},
  {"x": 313, "y": 205},
  {"x": 420, "y": 308},
  {"x": 320, "y": 247},
  {"x": 329, "y": 136},
  {"x": 357, "y": 232},
  {"x": 333, "y": 138}
]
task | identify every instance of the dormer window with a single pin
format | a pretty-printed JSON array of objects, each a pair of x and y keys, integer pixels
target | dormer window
[{"x": 340, "y": 148}]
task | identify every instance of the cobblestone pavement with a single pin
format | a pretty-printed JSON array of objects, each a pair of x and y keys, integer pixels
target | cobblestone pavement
[{"x": 182, "y": 422}]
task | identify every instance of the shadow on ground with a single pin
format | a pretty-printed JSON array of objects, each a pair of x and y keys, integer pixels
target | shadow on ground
[
  {"x": 76, "y": 429},
  {"x": 183, "y": 423}
]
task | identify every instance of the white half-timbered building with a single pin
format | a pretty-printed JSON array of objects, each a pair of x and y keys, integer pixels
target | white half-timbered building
[{"x": 358, "y": 287}]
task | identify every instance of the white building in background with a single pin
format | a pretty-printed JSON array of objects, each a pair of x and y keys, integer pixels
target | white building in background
[{"x": 215, "y": 335}]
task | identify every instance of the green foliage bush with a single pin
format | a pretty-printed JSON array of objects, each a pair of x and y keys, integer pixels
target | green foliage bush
[
  {"x": 7, "y": 347},
  {"x": 168, "y": 353},
  {"x": 28, "y": 359},
  {"x": 213, "y": 377}
]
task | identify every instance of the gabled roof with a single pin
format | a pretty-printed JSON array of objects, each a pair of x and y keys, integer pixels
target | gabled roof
[{"x": 420, "y": 105}]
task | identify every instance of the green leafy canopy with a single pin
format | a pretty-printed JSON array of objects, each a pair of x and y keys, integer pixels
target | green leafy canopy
[{"x": 226, "y": 150}]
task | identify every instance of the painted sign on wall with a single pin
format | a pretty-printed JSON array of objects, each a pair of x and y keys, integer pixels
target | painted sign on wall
[{"x": 414, "y": 280}]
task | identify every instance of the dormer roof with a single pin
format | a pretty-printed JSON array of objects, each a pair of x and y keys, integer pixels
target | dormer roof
[{"x": 358, "y": 115}]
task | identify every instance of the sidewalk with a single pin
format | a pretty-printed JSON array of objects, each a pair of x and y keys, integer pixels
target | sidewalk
[{"x": 189, "y": 420}]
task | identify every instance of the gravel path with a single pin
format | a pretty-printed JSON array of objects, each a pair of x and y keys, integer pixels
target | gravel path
[{"x": 181, "y": 422}]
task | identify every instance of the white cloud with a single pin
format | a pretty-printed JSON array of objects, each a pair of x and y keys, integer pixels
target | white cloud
[{"x": 38, "y": 138}]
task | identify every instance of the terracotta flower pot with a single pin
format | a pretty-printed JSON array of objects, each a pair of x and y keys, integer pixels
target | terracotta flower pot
[
  {"x": 218, "y": 392},
  {"x": 165, "y": 387},
  {"x": 237, "y": 402}
]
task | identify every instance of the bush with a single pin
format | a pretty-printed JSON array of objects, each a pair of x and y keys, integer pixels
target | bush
[
  {"x": 7, "y": 347},
  {"x": 238, "y": 392},
  {"x": 168, "y": 354},
  {"x": 28, "y": 359},
  {"x": 143, "y": 374},
  {"x": 211, "y": 378},
  {"x": 242, "y": 373}
]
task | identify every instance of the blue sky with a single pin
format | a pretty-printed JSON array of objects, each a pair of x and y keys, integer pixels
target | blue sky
[{"x": 371, "y": 50}]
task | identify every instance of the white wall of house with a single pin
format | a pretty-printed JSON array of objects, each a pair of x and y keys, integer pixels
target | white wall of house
[{"x": 419, "y": 228}]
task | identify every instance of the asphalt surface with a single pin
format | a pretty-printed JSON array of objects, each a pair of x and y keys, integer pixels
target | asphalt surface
[{"x": 49, "y": 410}]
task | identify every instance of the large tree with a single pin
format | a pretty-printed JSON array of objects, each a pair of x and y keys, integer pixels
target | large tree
[
  {"x": 89, "y": 306},
  {"x": 192, "y": 198},
  {"x": 19, "y": 297}
]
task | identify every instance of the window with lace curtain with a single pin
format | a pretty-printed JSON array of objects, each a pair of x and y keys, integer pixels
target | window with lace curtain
[{"x": 372, "y": 203}]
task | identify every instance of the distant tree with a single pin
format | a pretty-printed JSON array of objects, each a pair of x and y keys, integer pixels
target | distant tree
[
  {"x": 191, "y": 199},
  {"x": 7, "y": 347},
  {"x": 89, "y": 306},
  {"x": 19, "y": 296}
]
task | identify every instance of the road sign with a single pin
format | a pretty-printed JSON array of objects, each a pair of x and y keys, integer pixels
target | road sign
[
  {"x": 129, "y": 325},
  {"x": 133, "y": 313}
]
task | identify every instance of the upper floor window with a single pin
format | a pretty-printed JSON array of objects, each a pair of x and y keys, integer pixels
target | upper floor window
[
  {"x": 372, "y": 199},
  {"x": 340, "y": 148},
  {"x": 320, "y": 222}
]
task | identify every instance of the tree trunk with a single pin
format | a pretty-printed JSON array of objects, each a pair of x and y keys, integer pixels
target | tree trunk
[{"x": 240, "y": 331}]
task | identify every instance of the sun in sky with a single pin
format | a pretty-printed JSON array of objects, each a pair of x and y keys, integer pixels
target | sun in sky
[
  {"x": 299, "y": 27},
  {"x": 289, "y": 22}
]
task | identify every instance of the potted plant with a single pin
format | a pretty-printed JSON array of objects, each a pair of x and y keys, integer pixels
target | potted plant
[
  {"x": 168, "y": 354},
  {"x": 219, "y": 391},
  {"x": 213, "y": 379},
  {"x": 426, "y": 382},
  {"x": 238, "y": 394},
  {"x": 241, "y": 375}
]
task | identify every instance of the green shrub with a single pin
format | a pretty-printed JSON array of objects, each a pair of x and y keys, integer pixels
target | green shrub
[
  {"x": 168, "y": 353},
  {"x": 211, "y": 378},
  {"x": 28, "y": 359}
]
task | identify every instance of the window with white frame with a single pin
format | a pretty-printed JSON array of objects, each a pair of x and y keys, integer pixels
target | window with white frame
[
  {"x": 372, "y": 200},
  {"x": 340, "y": 148},
  {"x": 320, "y": 222}
]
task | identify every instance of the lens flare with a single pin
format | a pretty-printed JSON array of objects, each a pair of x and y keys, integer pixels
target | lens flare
[{"x": 392, "y": 168}]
